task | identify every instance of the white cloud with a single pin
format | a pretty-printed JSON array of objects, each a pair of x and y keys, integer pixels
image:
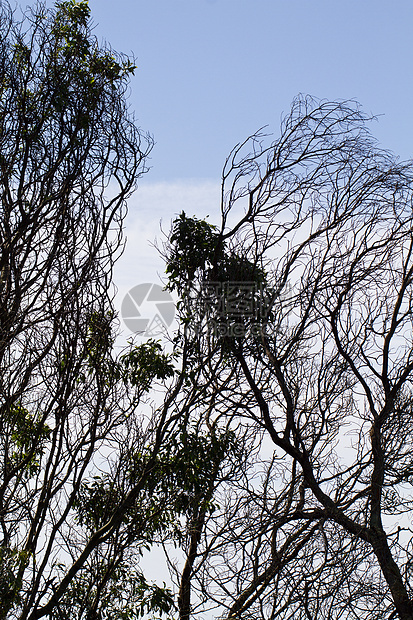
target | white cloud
[{"x": 151, "y": 210}]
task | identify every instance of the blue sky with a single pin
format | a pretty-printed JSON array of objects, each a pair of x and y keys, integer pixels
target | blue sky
[{"x": 210, "y": 72}]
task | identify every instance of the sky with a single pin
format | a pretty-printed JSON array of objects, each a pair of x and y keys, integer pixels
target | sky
[{"x": 211, "y": 72}]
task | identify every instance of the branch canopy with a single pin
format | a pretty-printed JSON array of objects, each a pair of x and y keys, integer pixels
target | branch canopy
[{"x": 298, "y": 309}]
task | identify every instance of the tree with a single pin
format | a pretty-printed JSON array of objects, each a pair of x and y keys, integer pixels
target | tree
[
  {"x": 83, "y": 488},
  {"x": 278, "y": 459},
  {"x": 298, "y": 309}
]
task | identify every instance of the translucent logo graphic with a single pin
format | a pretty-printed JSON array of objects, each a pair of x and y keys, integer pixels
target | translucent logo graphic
[{"x": 147, "y": 309}]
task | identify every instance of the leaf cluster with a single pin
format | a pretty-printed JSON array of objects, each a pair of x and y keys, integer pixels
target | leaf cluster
[
  {"x": 127, "y": 596},
  {"x": 28, "y": 437}
]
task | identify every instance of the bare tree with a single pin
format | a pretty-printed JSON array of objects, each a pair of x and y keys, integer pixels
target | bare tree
[{"x": 298, "y": 306}]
